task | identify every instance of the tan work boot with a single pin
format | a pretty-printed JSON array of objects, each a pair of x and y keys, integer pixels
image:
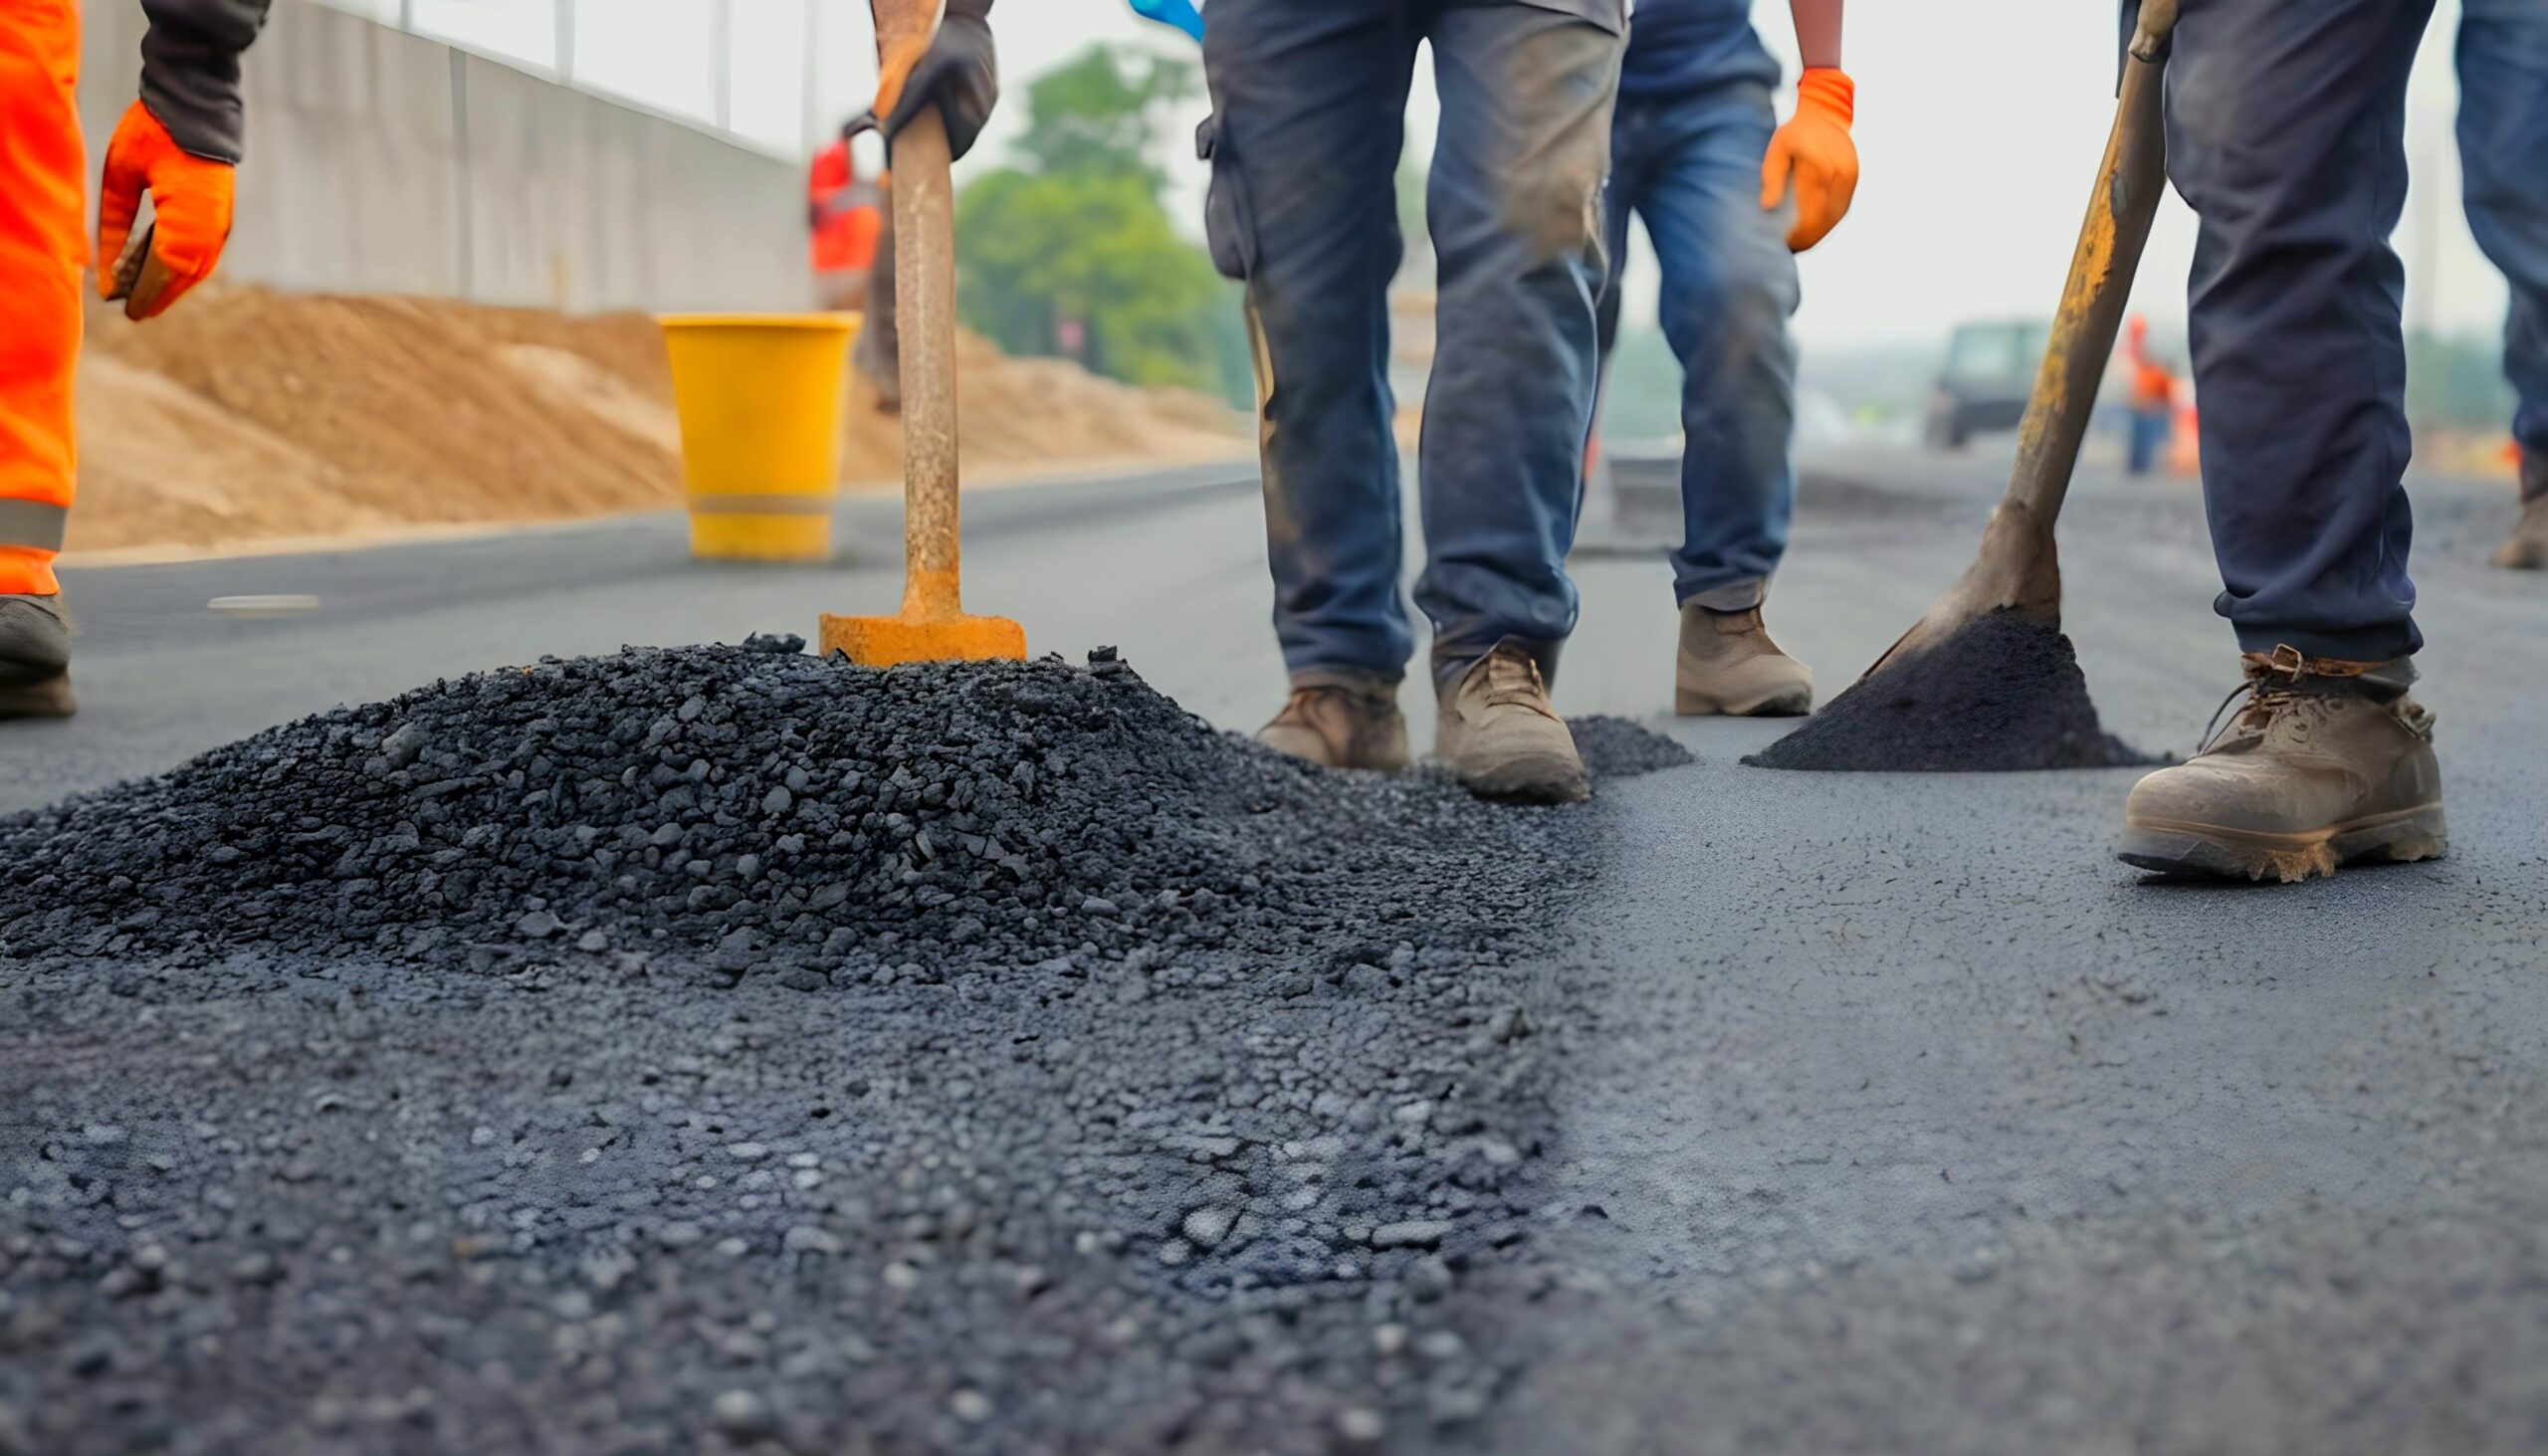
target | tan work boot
[
  {"x": 1340, "y": 722},
  {"x": 2526, "y": 550},
  {"x": 2329, "y": 763},
  {"x": 1500, "y": 736},
  {"x": 35, "y": 657},
  {"x": 1729, "y": 667}
]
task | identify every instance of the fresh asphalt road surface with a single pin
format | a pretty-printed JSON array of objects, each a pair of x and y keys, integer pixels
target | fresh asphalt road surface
[{"x": 1903, "y": 1115}]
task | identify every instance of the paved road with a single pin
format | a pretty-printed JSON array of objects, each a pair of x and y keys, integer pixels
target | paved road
[{"x": 1896, "y": 1114}]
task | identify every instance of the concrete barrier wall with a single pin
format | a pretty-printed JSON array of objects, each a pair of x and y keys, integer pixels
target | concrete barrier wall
[{"x": 381, "y": 162}]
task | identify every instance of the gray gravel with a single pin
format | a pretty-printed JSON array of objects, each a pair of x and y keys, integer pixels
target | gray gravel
[{"x": 1163, "y": 1102}]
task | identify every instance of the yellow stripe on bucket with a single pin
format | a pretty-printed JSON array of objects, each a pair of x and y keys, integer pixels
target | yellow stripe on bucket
[{"x": 759, "y": 395}]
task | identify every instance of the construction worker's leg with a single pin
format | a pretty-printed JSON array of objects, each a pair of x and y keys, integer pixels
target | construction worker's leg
[
  {"x": 1622, "y": 197},
  {"x": 42, "y": 176},
  {"x": 1513, "y": 205},
  {"x": 2504, "y": 159},
  {"x": 2285, "y": 127},
  {"x": 1729, "y": 288},
  {"x": 877, "y": 354},
  {"x": 1308, "y": 98}
]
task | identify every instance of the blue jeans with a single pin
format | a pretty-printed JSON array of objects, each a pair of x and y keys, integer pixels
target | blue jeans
[
  {"x": 2503, "y": 162},
  {"x": 2149, "y": 435},
  {"x": 1690, "y": 166},
  {"x": 2285, "y": 126},
  {"x": 1308, "y": 102}
]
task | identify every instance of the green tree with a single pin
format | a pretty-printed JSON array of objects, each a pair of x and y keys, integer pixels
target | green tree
[{"x": 1076, "y": 238}]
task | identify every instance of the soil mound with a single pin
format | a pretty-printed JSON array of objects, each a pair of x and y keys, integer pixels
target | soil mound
[
  {"x": 2003, "y": 696},
  {"x": 250, "y": 415}
]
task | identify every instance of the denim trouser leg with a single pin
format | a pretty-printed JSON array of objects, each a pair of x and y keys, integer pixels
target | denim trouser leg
[
  {"x": 1309, "y": 100},
  {"x": 2285, "y": 126},
  {"x": 2503, "y": 160},
  {"x": 1691, "y": 167},
  {"x": 1511, "y": 204}
]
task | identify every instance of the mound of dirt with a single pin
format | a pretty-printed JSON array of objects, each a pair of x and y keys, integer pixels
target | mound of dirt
[
  {"x": 250, "y": 415},
  {"x": 2002, "y": 695}
]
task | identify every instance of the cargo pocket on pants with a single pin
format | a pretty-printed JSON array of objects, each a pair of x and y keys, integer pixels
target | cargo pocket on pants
[{"x": 1229, "y": 221}]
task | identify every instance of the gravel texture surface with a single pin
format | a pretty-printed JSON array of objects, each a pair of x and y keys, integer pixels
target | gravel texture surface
[{"x": 719, "y": 1049}]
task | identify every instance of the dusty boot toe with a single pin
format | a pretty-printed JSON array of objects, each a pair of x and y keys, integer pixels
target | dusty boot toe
[
  {"x": 1729, "y": 667},
  {"x": 35, "y": 658},
  {"x": 1341, "y": 723},
  {"x": 2526, "y": 550},
  {"x": 2328, "y": 764},
  {"x": 1499, "y": 734}
]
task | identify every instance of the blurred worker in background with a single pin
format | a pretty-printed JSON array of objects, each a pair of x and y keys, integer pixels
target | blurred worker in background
[
  {"x": 1728, "y": 196},
  {"x": 2284, "y": 133},
  {"x": 2503, "y": 168},
  {"x": 1309, "y": 110},
  {"x": 178, "y": 144},
  {"x": 877, "y": 353},
  {"x": 844, "y": 215},
  {"x": 2153, "y": 398}
]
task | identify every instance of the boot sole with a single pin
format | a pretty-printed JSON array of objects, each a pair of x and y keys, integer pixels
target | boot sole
[
  {"x": 1794, "y": 704},
  {"x": 50, "y": 697},
  {"x": 1532, "y": 780},
  {"x": 2211, "y": 852}
]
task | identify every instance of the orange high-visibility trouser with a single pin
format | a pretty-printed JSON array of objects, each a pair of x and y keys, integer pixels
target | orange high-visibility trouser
[{"x": 43, "y": 245}]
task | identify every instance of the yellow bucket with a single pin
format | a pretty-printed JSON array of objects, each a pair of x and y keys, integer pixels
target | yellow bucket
[{"x": 758, "y": 396}]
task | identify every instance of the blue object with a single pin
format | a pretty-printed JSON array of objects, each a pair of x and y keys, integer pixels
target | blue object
[
  {"x": 1689, "y": 166},
  {"x": 1311, "y": 100},
  {"x": 1683, "y": 46},
  {"x": 2148, "y": 432},
  {"x": 1179, "y": 13},
  {"x": 2503, "y": 162},
  {"x": 2285, "y": 127}
]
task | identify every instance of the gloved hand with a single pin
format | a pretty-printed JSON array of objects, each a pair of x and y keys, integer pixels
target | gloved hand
[
  {"x": 960, "y": 73},
  {"x": 191, "y": 202},
  {"x": 1813, "y": 149}
]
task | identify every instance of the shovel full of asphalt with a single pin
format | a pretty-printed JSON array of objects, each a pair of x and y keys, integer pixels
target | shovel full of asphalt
[{"x": 1986, "y": 681}]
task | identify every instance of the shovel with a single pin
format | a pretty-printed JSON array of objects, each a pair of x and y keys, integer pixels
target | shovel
[
  {"x": 2017, "y": 569},
  {"x": 933, "y": 625}
]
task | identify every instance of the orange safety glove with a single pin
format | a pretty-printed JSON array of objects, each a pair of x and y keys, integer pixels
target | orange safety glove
[
  {"x": 190, "y": 199},
  {"x": 1813, "y": 149}
]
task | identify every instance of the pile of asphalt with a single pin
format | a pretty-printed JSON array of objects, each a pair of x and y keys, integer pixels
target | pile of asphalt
[
  {"x": 1164, "y": 1100},
  {"x": 786, "y": 815},
  {"x": 2001, "y": 696}
]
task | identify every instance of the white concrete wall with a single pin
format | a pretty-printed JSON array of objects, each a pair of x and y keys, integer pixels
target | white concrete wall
[{"x": 380, "y": 162}]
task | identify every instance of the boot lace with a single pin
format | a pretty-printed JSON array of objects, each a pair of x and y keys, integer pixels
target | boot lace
[
  {"x": 1513, "y": 677},
  {"x": 2276, "y": 682}
]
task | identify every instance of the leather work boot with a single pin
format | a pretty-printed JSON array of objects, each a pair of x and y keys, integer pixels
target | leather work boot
[
  {"x": 1500, "y": 736},
  {"x": 2526, "y": 550},
  {"x": 1729, "y": 667},
  {"x": 1341, "y": 723},
  {"x": 2329, "y": 763},
  {"x": 35, "y": 657}
]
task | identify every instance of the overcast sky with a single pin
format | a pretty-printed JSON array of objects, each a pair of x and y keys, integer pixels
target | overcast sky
[{"x": 1978, "y": 138}]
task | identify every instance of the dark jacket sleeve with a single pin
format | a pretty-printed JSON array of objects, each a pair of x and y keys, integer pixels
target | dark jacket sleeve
[{"x": 190, "y": 71}]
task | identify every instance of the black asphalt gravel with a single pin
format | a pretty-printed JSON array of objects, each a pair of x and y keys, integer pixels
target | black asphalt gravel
[
  {"x": 2000, "y": 694},
  {"x": 719, "y": 1048},
  {"x": 1810, "y": 1113}
]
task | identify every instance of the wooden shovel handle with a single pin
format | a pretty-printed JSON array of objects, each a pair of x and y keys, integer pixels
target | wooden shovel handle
[{"x": 2129, "y": 181}]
